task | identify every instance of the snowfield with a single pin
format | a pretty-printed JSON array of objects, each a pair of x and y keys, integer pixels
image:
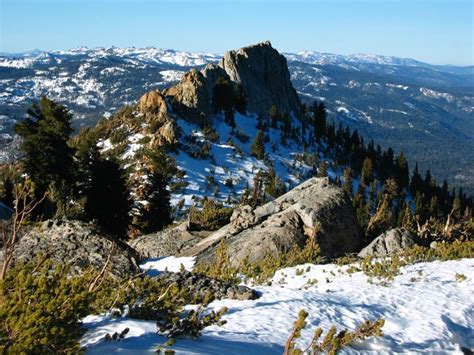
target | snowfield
[{"x": 426, "y": 310}]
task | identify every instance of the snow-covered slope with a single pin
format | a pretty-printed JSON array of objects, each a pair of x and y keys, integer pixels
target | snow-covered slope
[
  {"x": 426, "y": 310},
  {"x": 229, "y": 159},
  {"x": 422, "y": 109}
]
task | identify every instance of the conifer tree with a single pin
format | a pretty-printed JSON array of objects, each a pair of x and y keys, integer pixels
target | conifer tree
[
  {"x": 274, "y": 116},
  {"x": 240, "y": 99},
  {"x": 416, "y": 181},
  {"x": 7, "y": 197},
  {"x": 408, "y": 221},
  {"x": 367, "y": 171},
  {"x": 319, "y": 120},
  {"x": 101, "y": 186},
  {"x": 258, "y": 148},
  {"x": 323, "y": 169},
  {"x": 402, "y": 175},
  {"x": 348, "y": 181},
  {"x": 153, "y": 211},
  {"x": 47, "y": 157}
]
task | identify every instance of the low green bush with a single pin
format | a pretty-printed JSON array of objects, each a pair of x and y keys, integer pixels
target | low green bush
[
  {"x": 41, "y": 306},
  {"x": 212, "y": 216}
]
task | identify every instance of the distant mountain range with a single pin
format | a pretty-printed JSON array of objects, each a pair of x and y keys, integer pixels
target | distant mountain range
[{"x": 425, "y": 110}]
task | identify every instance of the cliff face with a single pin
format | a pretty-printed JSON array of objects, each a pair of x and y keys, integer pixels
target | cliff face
[
  {"x": 264, "y": 76},
  {"x": 259, "y": 69}
]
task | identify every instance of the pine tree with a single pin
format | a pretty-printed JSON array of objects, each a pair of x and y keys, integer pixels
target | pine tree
[
  {"x": 402, "y": 175},
  {"x": 153, "y": 212},
  {"x": 275, "y": 116},
  {"x": 416, "y": 183},
  {"x": 348, "y": 181},
  {"x": 47, "y": 157},
  {"x": 107, "y": 200},
  {"x": 367, "y": 171},
  {"x": 240, "y": 99},
  {"x": 222, "y": 96},
  {"x": 258, "y": 148},
  {"x": 7, "y": 197},
  {"x": 101, "y": 186},
  {"x": 408, "y": 221},
  {"x": 323, "y": 169},
  {"x": 319, "y": 120}
]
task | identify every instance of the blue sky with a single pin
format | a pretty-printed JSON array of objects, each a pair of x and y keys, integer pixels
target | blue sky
[{"x": 434, "y": 31}]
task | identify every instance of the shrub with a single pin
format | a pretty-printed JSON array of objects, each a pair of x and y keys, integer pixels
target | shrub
[
  {"x": 229, "y": 183},
  {"x": 260, "y": 271},
  {"x": 241, "y": 136},
  {"x": 387, "y": 268},
  {"x": 211, "y": 134},
  {"x": 41, "y": 309},
  {"x": 333, "y": 341},
  {"x": 212, "y": 216},
  {"x": 41, "y": 306},
  {"x": 119, "y": 135}
]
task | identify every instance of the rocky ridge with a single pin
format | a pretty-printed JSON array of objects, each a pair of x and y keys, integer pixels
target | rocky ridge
[
  {"x": 259, "y": 69},
  {"x": 315, "y": 208}
]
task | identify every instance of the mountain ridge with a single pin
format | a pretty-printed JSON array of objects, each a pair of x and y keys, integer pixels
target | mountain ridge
[{"x": 384, "y": 102}]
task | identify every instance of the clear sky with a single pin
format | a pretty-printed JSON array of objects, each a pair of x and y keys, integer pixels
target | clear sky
[{"x": 435, "y": 31}]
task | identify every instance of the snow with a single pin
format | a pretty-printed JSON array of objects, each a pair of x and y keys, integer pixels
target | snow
[
  {"x": 436, "y": 94},
  {"x": 171, "y": 75},
  {"x": 425, "y": 310},
  {"x": 170, "y": 263},
  {"x": 227, "y": 163}
]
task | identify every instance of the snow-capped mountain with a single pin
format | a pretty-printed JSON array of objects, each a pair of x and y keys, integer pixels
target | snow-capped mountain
[{"x": 422, "y": 109}]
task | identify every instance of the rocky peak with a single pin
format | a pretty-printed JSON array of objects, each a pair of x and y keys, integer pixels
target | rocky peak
[
  {"x": 190, "y": 96},
  {"x": 259, "y": 69},
  {"x": 264, "y": 76},
  {"x": 154, "y": 108}
]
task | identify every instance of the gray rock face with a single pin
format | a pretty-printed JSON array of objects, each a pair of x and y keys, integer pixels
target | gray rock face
[
  {"x": 190, "y": 96},
  {"x": 314, "y": 208},
  {"x": 164, "y": 243},
  {"x": 390, "y": 242},
  {"x": 79, "y": 244},
  {"x": 260, "y": 69},
  {"x": 264, "y": 76}
]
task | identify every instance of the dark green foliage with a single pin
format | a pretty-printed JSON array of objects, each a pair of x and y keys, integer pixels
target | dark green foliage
[
  {"x": 258, "y": 148},
  {"x": 41, "y": 307},
  {"x": 101, "y": 185},
  {"x": 348, "y": 181},
  {"x": 47, "y": 157},
  {"x": 108, "y": 199},
  {"x": 196, "y": 148},
  {"x": 212, "y": 216},
  {"x": 226, "y": 97},
  {"x": 367, "y": 172},
  {"x": 274, "y": 187},
  {"x": 210, "y": 133},
  {"x": 319, "y": 120},
  {"x": 323, "y": 169},
  {"x": 275, "y": 116},
  {"x": 240, "y": 99},
  {"x": 155, "y": 214},
  {"x": 7, "y": 195}
]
